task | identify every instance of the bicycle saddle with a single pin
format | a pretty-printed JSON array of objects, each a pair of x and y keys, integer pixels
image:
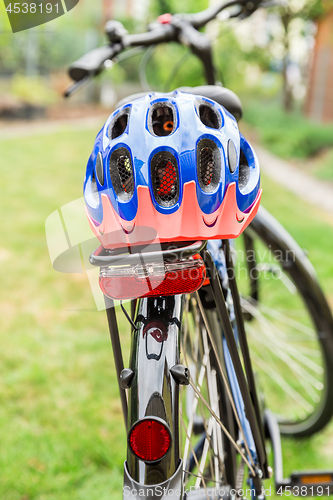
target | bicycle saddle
[{"x": 225, "y": 97}]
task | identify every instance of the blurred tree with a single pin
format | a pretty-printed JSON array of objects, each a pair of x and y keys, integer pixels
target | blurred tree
[
  {"x": 59, "y": 42},
  {"x": 108, "y": 7},
  {"x": 291, "y": 10},
  {"x": 319, "y": 105}
]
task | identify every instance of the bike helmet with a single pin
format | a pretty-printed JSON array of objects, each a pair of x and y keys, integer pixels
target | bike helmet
[{"x": 174, "y": 165}]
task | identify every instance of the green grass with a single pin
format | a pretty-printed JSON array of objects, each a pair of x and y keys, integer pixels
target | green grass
[
  {"x": 287, "y": 134},
  {"x": 324, "y": 169},
  {"x": 292, "y": 135},
  {"x": 61, "y": 430},
  {"x": 313, "y": 230}
]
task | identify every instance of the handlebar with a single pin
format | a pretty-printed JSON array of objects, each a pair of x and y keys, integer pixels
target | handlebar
[
  {"x": 159, "y": 34},
  {"x": 181, "y": 28},
  {"x": 91, "y": 63},
  {"x": 247, "y": 7},
  {"x": 200, "y": 19}
]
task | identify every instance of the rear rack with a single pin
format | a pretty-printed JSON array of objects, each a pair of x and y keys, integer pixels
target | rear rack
[
  {"x": 103, "y": 257},
  {"x": 305, "y": 483}
]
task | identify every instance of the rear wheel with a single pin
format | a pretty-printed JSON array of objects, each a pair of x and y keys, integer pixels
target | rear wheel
[
  {"x": 289, "y": 327},
  {"x": 209, "y": 433}
]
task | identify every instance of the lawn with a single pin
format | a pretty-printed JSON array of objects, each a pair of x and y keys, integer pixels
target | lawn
[
  {"x": 61, "y": 430},
  {"x": 292, "y": 135}
]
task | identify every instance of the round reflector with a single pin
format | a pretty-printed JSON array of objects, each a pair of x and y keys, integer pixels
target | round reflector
[{"x": 149, "y": 439}]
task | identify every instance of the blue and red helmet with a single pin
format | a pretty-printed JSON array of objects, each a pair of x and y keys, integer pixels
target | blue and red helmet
[{"x": 175, "y": 163}]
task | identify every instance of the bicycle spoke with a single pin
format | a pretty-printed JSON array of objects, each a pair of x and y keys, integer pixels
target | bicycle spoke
[
  {"x": 286, "y": 319},
  {"x": 269, "y": 332},
  {"x": 195, "y": 457},
  {"x": 231, "y": 399},
  {"x": 209, "y": 455},
  {"x": 225, "y": 430},
  {"x": 195, "y": 405},
  {"x": 307, "y": 380},
  {"x": 281, "y": 381},
  {"x": 207, "y": 443}
]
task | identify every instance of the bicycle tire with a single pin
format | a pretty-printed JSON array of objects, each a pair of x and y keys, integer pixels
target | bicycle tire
[{"x": 295, "y": 266}]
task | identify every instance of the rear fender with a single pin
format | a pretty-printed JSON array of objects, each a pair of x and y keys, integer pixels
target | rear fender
[{"x": 153, "y": 391}]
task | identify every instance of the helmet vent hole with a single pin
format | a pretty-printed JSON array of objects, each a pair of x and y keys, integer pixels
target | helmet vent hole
[
  {"x": 232, "y": 156},
  {"x": 119, "y": 125},
  {"x": 244, "y": 171},
  {"x": 121, "y": 173},
  {"x": 162, "y": 120},
  {"x": 209, "y": 116},
  {"x": 100, "y": 169},
  {"x": 165, "y": 178},
  {"x": 91, "y": 191},
  {"x": 208, "y": 165},
  {"x": 94, "y": 189}
]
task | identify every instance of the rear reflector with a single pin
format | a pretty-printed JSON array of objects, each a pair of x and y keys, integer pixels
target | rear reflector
[
  {"x": 320, "y": 479},
  {"x": 153, "y": 279},
  {"x": 149, "y": 439}
]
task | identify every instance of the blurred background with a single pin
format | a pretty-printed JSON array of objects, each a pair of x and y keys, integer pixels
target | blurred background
[
  {"x": 279, "y": 61},
  {"x": 61, "y": 431}
]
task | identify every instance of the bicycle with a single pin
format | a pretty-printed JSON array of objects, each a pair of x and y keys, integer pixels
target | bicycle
[{"x": 190, "y": 382}]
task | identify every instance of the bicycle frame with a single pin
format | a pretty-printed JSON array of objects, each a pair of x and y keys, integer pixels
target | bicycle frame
[
  {"x": 154, "y": 390},
  {"x": 150, "y": 373},
  {"x": 154, "y": 374},
  {"x": 269, "y": 230}
]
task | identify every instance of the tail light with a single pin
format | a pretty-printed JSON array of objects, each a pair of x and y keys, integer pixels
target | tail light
[
  {"x": 150, "y": 439},
  {"x": 153, "y": 279}
]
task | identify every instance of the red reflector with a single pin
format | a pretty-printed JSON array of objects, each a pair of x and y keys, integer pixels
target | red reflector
[
  {"x": 165, "y": 18},
  {"x": 149, "y": 440},
  {"x": 170, "y": 278}
]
